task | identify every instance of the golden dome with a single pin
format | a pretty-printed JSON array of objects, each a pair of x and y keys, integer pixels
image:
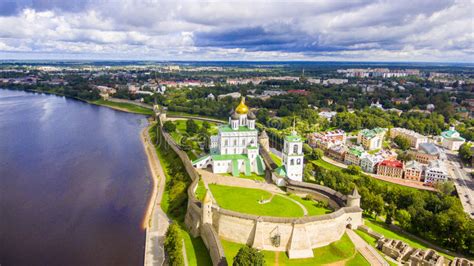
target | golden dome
[{"x": 242, "y": 108}]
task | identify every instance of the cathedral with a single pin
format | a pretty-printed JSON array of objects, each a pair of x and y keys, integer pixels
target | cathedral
[{"x": 235, "y": 148}]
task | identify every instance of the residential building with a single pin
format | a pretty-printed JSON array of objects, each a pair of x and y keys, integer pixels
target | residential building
[
  {"x": 451, "y": 139},
  {"x": 327, "y": 114},
  {"x": 436, "y": 172},
  {"x": 354, "y": 155},
  {"x": 415, "y": 138},
  {"x": 371, "y": 139},
  {"x": 234, "y": 95},
  {"x": 369, "y": 162},
  {"x": 324, "y": 140},
  {"x": 426, "y": 152},
  {"x": 337, "y": 152},
  {"x": 413, "y": 170},
  {"x": 390, "y": 168}
]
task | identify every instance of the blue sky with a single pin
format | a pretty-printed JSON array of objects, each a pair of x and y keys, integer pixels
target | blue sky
[{"x": 345, "y": 30}]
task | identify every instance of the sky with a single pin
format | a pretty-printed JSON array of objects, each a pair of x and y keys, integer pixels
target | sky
[{"x": 333, "y": 30}]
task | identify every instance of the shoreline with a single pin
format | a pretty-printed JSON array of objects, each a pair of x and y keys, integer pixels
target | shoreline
[{"x": 154, "y": 177}]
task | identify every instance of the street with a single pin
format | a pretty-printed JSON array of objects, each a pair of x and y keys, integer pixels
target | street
[{"x": 462, "y": 181}]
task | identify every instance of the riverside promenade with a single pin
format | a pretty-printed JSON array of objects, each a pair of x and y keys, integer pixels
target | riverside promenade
[{"x": 156, "y": 222}]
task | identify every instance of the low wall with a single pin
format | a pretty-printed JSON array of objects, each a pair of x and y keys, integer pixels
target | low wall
[{"x": 144, "y": 105}]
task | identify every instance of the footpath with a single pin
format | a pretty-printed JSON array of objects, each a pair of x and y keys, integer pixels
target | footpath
[
  {"x": 369, "y": 252},
  {"x": 156, "y": 222}
]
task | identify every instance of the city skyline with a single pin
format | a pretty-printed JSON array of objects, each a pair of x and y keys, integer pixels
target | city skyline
[{"x": 407, "y": 31}]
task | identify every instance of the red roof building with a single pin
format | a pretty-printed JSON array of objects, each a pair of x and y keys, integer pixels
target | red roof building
[{"x": 390, "y": 168}]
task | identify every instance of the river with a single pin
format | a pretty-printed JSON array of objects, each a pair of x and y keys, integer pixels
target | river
[{"x": 74, "y": 182}]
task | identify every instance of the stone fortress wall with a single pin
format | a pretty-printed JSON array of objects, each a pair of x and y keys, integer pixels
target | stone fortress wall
[{"x": 297, "y": 236}]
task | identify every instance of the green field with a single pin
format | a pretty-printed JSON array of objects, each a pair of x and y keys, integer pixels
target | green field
[
  {"x": 357, "y": 260},
  {"x": 252, "y": 176},
  {"x": 381, "y": 228},
  {"x": 246, "y": 200},
  {"x": 195, "y": 150},
  {"x": 311, "y": 206},
  {"x": 342, "y": 249},
  {"x": 276, "y": 159},
  {"x": 126, "y": 107},
  {"x": 326, "y": 165}
]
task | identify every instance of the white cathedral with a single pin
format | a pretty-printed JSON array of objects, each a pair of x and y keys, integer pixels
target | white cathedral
[{"x": 235, "y": 148}]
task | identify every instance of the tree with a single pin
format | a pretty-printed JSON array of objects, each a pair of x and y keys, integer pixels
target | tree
[
  {"x": 206, "y": 125},
  {"x": 248, "y": 256},
  {"x": 174, "y": 245},
  {"x": 402, "y": 142},
  {"x": 191, "y": 127},
  {"x": 404, "y": 218},
  {"x": 169, "y": 126},
  {"x": 307, "y": 150},
  {"x": 465, "y": 152},
  {"x": 404, "y": 156},
  {"x": 445, "y": 187},
  {"x": 318, "y": 153},
  {"x": 354, "y": 169}
]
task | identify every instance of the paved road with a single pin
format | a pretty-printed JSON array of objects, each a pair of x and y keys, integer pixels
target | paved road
[
  {"x": 464, "y": 184},
  {"x": 369, "y": 252},
  {"x": 158, "y": 222}
]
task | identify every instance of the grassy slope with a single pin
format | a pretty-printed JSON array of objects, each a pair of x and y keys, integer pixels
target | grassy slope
[
  {"x": 196, "y": 251},
  {"x": 357, "y": 260},
  {"x": 380, "y": 227},
  {"x": 326, "y": 165},
  {"x": 128, "y": 107},
  {"x": 373, "y": 242},
  {"x": 311, "y": 206},
  {"x": 245, "y": 200},
  {"x": 336, "y": 251},
  {"x": 252, "y": 176},
  {"x": 276, "y": 159}
]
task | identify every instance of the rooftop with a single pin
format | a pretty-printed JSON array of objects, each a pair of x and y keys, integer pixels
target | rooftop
[
  {"x": 227, "y": 128},
  {"x": 392, "y": 163},
  {"x": 429, "y": 148}
]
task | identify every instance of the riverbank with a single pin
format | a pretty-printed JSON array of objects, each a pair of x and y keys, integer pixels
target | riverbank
[
  {"x": 155, "y": 221},
  {"x": 124, "y": 107}
]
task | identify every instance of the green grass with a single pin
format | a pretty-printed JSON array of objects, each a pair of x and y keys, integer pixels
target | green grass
[
  {"x": 373, "y": 242},
  {"x": 171, "y": 113},
  {"x": 381, "y": 228},
  {"x": 326, "y": 165},
  {"x": 200, "y": 191},
  {"x": 129, "y": 107},
  {"x": 357, "y": 260},
  {"x": 195, "y": 150},
  {"x": 196, "y": 251},
  {"x": 311, "y": 206},
  {"x": 276, "y": 159},
  {"x": 339, "y": 250},
  {"x": 246, "y": 200},
  {"x": 252, "y": 176}
]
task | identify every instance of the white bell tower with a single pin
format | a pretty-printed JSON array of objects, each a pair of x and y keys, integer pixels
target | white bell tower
[{"x": 293, "y": 156}]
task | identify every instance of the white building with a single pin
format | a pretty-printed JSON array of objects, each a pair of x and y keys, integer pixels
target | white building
[
  {"x": 436, "y": 172},
  {"x": 235, "y": 148},
  {"x": 327, "y": 115},
  {"x": 415, "y": 138},
  {"x": 451, "y": 140},
  {"x": 292, "y": 158},
  {"x": 234, "y": 95},
  {"x": 368, "y": 162}
]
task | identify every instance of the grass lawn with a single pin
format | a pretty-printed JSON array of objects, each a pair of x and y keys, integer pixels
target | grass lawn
[
  {"x": 252, "y": 176},
  {"x": 129, "y": 107},
  {"x": 246, "y": 200},
  {"x": 171, "y": 113},
  {"x": 381, "y": 228},
  {"x": 311, "y": 206},
  {"x": 326, "y": 165},
  {"x": 340, "y": 250},
  {"x": 357, "y": 260},
  {"x": 200, "y": 191},
  {"x": 276, "y": 159}
]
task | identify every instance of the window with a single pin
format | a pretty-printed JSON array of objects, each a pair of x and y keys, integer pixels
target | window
[
  {"x": 295, "y": 148},
  {"x": 226, "y": 143},
  {"x": 235, "y": 142},
  {"x": 243, "y": 142},
  {"x": 298, "y": 161},
  {"x": 292, "y": 162}
]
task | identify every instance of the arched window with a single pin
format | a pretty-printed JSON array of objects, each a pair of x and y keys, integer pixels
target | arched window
[
  {"x": 292, "y": 162},
  {"x": 298, "y": 161},
  {"x": 295, "y": 148}
]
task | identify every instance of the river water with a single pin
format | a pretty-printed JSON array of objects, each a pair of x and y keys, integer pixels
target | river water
[{"x": 74, "y": 182}]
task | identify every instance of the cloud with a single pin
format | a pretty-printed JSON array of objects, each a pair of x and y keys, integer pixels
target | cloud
[{"x": 403, "y": 30}]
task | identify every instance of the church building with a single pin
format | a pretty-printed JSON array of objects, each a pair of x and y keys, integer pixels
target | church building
[
  {"x": 292, "y": 159},
  {"x": 235, "y": 148}
]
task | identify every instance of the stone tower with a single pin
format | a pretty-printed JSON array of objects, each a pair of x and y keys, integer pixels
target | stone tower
[
  {"x": 293, "y": 156},
  {"x": 353, "y": 199},
  {"x": 264, "y": 141},
  {"x": 207, "y": 208}
]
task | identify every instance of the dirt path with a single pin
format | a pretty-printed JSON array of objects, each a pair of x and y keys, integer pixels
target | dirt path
[{"x": 156, "y": 222}]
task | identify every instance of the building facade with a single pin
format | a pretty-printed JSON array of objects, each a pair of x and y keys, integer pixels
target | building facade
[
  {"x": 413, "y": 170},
  {"x": 371, "y": 139},
  {"x": 390, "y": 168},
  {"x": 369, "y": 162},
  {"x": 451, "y": 139},
  {"x": 436, "y": 172},
  {"x": 426, "y": 152},
  {"x": 292, "y": 158},
  {"x": 354, "y": 155},
  {"x": 415, "y": 138}
]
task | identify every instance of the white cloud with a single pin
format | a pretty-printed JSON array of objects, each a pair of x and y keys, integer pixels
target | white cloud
[{"x": 402, "y": 30}]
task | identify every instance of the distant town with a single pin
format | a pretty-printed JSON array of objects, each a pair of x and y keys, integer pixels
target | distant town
[{"x": 377, "y": 152}]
